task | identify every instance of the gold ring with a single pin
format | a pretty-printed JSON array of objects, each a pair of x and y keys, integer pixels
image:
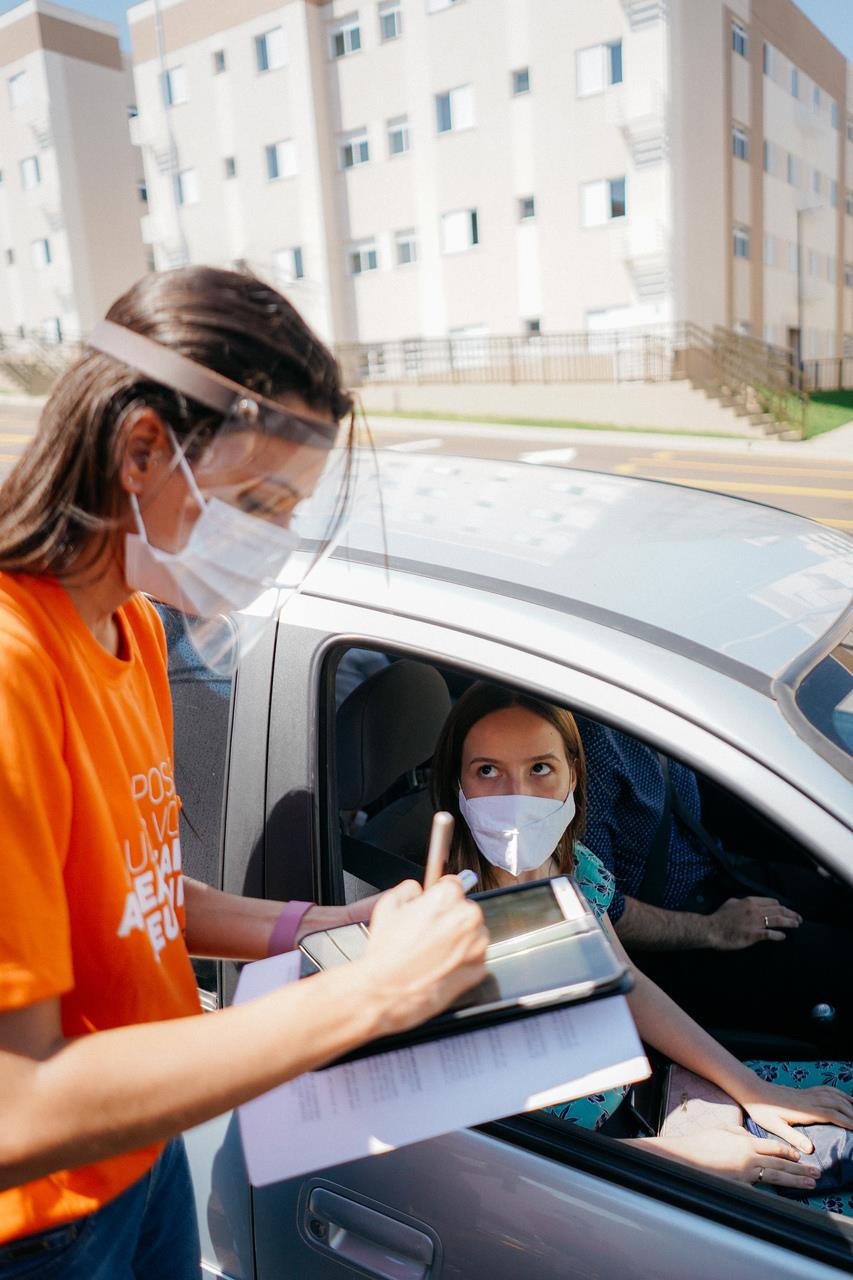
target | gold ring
[
  {"x": 760, "y": 1173},
  {"x": 766, "y": 923}
]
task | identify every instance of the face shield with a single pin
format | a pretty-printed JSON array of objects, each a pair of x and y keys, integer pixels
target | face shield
[{"x": 268, "y": 491}]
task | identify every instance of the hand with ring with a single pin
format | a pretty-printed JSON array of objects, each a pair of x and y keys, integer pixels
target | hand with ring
[{"x": 741, "y": 922}]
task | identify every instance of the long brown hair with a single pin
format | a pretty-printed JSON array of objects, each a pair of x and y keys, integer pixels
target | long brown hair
[
  {"x": 479, "y": 701},
  {"x": 62, "y": 502}
]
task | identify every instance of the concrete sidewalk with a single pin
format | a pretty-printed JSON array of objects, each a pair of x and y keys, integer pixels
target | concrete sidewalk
[{"x": 834, "y": 445}]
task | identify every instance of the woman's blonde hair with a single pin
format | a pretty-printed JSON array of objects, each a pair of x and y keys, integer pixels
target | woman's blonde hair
[{"x": 479, "y": 701}]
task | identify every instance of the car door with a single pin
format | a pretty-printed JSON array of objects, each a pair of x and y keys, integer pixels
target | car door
[{"x": 511, "y": 1198}]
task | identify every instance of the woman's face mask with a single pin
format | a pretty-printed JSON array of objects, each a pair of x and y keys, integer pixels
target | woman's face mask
[
  {"x": 516, "y": 788},
  {"x": 516, "y": 833},
  {"x": 224, "y": 564}
]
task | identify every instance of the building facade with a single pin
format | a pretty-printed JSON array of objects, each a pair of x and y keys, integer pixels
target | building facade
[
  {"x": 425, "y": 168},
  {"x": 70, "y": 181}
]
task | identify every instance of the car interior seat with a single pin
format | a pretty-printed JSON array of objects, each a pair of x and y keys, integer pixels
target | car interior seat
[{"x": 386, "y": 730}]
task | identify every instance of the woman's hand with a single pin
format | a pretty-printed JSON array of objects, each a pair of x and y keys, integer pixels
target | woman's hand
[
  {"x": 736, "y": 1154},
  {"x": 776, "y": 1107},
  {"x": 426, "y": 947}
]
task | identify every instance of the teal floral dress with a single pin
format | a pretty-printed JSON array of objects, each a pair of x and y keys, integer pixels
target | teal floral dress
[{"x": 598, "y": 886}]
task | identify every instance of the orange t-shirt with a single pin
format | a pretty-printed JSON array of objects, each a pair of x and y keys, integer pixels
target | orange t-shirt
[{"x": 91, "y": 909}]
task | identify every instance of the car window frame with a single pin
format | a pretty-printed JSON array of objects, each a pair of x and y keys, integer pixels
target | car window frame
[
  {"x": 786, "y": 686},
  {"x": 824, "y": 1238}
]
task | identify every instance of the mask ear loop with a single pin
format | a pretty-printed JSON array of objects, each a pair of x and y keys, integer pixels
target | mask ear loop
[{"x": 186, "y": 470}]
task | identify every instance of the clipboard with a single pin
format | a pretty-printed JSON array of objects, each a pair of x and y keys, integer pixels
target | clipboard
[{"x": 547, "y": 951}]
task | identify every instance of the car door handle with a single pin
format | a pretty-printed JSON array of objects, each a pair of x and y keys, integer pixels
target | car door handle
[{"x": 382, "y": 1246}]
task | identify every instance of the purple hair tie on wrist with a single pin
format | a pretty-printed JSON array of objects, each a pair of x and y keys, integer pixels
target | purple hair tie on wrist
[{"x": 283, "y": 936}]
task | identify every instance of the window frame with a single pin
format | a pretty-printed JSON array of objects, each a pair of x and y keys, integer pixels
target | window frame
[
  {"x": 272, "y": 152},
  {"x": 407, "y": 237},
  {"x": 384, "y": 10},
  {"x": 356, "y": 145},
  {"x": 740, "y": 37},
  {"x": 30, "y": 165},
  {"x": 344, "y": 28},
  {"x": 362, "y": 251},
  {"x": 450, "y": 95},
  {"x": 398, "y": 125},
  {"x": 741, "y": 242},
  {"x": 515, "y": 77},
  {"x": 168, "y": 85},
  {"x": 526, "y": 208},
  {"x": 263, "y": 46},
  {"x": 740, "y": 142},
  {"x": 219, "y": 61},
  {"x": 472, "y": 233}
]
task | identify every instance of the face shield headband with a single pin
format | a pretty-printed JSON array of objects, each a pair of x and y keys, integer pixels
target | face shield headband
[{"x": 214, "y": 565}]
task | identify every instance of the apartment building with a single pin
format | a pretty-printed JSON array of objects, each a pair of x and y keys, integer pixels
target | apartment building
[
  {"x": 423, "y": 168},
  {"x": 70, "y": 181}
]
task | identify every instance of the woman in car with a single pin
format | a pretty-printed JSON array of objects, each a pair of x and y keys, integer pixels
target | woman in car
[
  {"x": 511, "y": 770},
  {"x": 167, "y": 461}
]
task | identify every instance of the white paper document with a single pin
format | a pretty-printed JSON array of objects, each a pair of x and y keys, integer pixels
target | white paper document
[{"x": 389, "y": 1100}]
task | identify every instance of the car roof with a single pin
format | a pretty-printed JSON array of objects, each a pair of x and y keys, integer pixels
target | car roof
[{"x": 748, "y": 586}]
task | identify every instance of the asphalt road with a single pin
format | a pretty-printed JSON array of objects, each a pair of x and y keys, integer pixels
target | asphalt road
[{"x": 813, "y": 486}]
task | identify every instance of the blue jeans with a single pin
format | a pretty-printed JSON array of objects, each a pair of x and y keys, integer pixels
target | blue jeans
[{"x": 149, "y": 1230}]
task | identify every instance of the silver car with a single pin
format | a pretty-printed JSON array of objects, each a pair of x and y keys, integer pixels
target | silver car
[{"x": 717, "y": 630}]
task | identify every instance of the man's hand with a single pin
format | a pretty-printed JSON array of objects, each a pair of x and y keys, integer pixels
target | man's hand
[{"x": 741, "y": 922}]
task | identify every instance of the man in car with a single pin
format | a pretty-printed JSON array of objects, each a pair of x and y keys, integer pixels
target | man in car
[{"x": 766, "y": 940}]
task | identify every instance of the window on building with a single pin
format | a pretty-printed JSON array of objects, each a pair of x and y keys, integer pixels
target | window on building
[
  {"x": 835, "y": 115},
  {"x": 848, "y": 203},
  {"x": 769, "y": 59},
  {"x": 218, "y": 61},
  {"x": 526, "y": 208},
  {"x": 345, "y": 37},
  {"x": 355, "y": 149},
  {"x": 769, "y": 251},
  {"x": 833, "y": 193},
  {"x": 532, "y": 325},
  {"x": 740, "y": 40},
  {"x": 850, "y": 128},
  {"x": 132, "y": 111},
  {"x": 795, "y": 82},
  {"x": 399, "y": 136},
  {"x": 814, "y": 262},
  {"x": 597, "y": 68},
  {"x": 288, "y": 265},
  {"x": 792, "y": 257},
  {"x": 816, "y": 182},
  {"x": 175, "y": 89},
  {"x": 230, "y": 166},
  {"x": 740, "y": 142},
  {"x": 20, "y": 89},
  {"x": 769, "y": 156},
  {"x": 271, "y": 49},
  {"x": 363, "y": 257},
  {"x": 10, "y": 257},
  {"x": 816, "y": 98},
  {"x": 40, "y": 252},
  {"x": 142, "y": 191},
  {"x": 435, "y": 6},
  {"x": 603, "y": 201},
  {"x": 30, "y": 172},
  {"x": 405, "y": 248},
  {"x": 848, "y": 275},
  {"x": 390, "y": 20},
  {"x": 741, "y": 242},
  {"x": 454, "y": 110},
  {"x": 51, "y": 329},
  {"x": 520, "y": 81},
  {"x": 460, "y": 230},
  {"x": 830, "y": 268},
  {"x": 281, "y": 159},
  {"x": 186, "y": 187},
  {"x": 793, "y": 170}
]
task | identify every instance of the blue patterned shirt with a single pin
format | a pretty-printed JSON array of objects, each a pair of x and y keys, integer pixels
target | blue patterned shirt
[{"x": 626, "y": 794}]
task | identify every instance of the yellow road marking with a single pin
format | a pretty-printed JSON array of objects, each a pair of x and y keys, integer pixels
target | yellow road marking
[
  {"x": 835, "y": 524},
  {"x": 626, "y": 468},
  {"x": 835, "y": 473},
  {"x": 742, "y": 486},
  {"x": 7, "y": 437}
]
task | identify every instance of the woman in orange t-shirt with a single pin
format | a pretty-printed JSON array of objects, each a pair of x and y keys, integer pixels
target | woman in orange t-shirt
[{"x": 169, "y": 460}]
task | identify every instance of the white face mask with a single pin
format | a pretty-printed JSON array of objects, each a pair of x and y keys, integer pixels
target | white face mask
[
  {"x": 516, "y": 833},
  {"x": 228, "y": 559}
]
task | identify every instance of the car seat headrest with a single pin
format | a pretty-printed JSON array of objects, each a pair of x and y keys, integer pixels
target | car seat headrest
[{"x": 387, "y": 726}]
